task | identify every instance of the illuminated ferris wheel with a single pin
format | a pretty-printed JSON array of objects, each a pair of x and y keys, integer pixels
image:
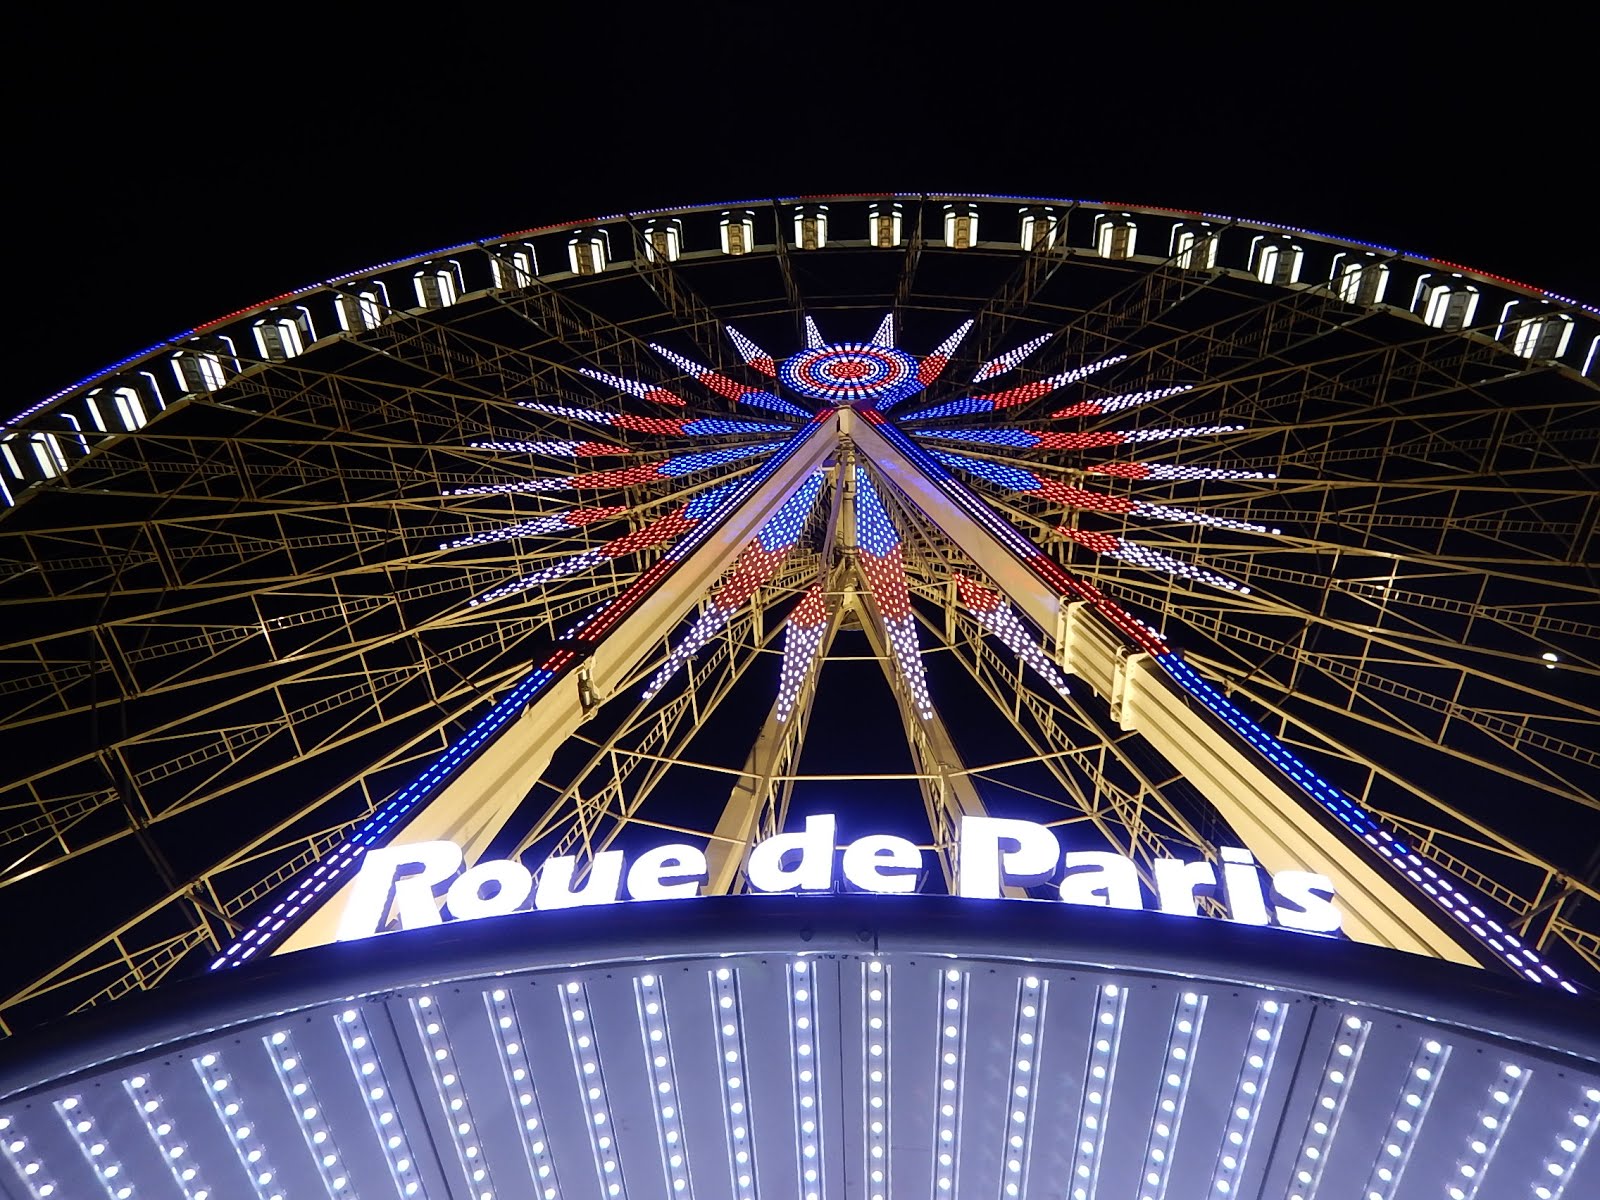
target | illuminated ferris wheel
[{"x": 1184, "y": 537}]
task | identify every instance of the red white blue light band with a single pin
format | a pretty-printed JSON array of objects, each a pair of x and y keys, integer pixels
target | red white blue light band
[
  {"x": 878, "y": 542},
  {"x": 996, "y": 616}
]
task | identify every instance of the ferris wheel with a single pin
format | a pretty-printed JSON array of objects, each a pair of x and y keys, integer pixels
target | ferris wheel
[{"x": 905, "y": 508}]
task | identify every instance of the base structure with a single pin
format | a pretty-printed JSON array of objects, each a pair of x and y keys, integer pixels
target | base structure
[{"x": 833, "y": 1046}]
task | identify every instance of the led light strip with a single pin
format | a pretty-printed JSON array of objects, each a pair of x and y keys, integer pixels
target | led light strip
[
  {"x": 1028, "y": 1025},
  {"x": 807, "y": 1095},
  {"x": 1240, "y": 1130},
  {"x": 1102, "y": 1070},
  {"x": 1421, "y": 1083},
  {"x": 560, "y": 522},
  {"x": 664, "y": 1080},
  {"x": 452, "y": 1096},
  {"x": 31, "y": 1170},
  {"x": 376, "y": 1094},
  {"x": 164, "y": 1133},
  {"x": 1487, "y": 1131},
  {"x": 735, "y": 1117},
  {"x": 553, "y": 449},
  {"x": 85, "y": 1131},
  {"x": 1438, "y": 885},
  {"x": 875, "y": 1054},
  {"x": 1011, "y": 358},
  {"x": 524, "y": 1099},
  {"x": 1111, "y": 404},
  {"x": 952, "y": 1033},
  {"x": 753, "y": 355},
  {"x": 336, "y": 864},
  {"x": 1337, "y": 1075},
  {"x": 1173, "y": 471},
  {"x": 247, "y": 1143},
  {"x": 1558, "y": 1167},
  {"x": 672, "y": 467},
  {"x": 586, "y": 1062},
  {"x": 1177, "y": 1068},
  {"x": 802, "y": 638},
  {"x": 758, "y": 562},
  {"x": 995, "y": 616},
  {"x": 296, "y": 1081}
]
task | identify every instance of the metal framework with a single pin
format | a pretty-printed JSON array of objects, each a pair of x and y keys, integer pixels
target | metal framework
[{"x": 258, "y": 579}]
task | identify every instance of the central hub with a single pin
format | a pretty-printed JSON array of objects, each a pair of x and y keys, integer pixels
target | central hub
[{"x": 852, "y": 373}]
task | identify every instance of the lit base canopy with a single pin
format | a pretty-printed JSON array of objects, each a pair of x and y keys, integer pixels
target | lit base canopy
[{"x": 835, "y": 1046}]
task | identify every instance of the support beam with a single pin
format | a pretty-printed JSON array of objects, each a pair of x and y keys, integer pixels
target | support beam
[
  {"x": 1276, "y": 822},
  {"x": 476, "y": 803}
]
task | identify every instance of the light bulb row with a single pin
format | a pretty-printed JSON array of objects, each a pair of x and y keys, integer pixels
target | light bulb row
[
  {"x": 377, "y": 1095},
  {"x": 509, "y": 1043},
  {"x": 1244, "y": 1108},
  {"x": 1172, "y": 1096},
  {"x": 228, "y": 1103},
  {"x": 1105, "y": 1040},
  {"x": 575, "y": 1012},
  {"x": 452, "y": 1095},
  {"x": 728, "y": 1016},
  {"x": 664, "y": 1091},
  {"x": 803, "y": 1057},
  {"x": 1417, "y": 1091},
  {"x": 1327, "y": 1110}
]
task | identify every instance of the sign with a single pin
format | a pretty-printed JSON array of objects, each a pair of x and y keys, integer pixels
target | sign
[{"x": 400, "y": 885}]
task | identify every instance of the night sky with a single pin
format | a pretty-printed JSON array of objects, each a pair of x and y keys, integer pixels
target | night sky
[{"x": 162, "y": 174}]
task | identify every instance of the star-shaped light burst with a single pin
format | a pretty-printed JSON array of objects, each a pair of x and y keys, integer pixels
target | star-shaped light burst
[{"x": 704, "y": 477}]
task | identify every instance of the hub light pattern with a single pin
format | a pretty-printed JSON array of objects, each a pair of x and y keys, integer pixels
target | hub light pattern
[
  {"x": 1011, "y": 359},
  {"x": 802, "y": 638},
  {"x": 1021, "y": 394},
  {"x": 883, "y": 565},
  {"x": 757, "y": 563},
  {"x": 997, "y": 617},
  {"x": 730, "y": 388},
  {"x": 851, "y": 372}
]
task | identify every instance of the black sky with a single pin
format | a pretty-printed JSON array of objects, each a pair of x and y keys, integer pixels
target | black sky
[{"x": 166, "y": 169}]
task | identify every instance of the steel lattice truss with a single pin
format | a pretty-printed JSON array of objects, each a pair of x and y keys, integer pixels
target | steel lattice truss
[{"x": 257, "y": 582}]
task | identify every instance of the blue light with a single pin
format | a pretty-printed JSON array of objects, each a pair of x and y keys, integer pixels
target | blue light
[
  {"x": 998, "y": 473},
  {"x": 875, "y": 532},
  {"x": 688, "y": 464},
  {"x": 711, "y": 425},
  {"x": 1020, "y": 438},
  {"x": 955, "y": 408}
]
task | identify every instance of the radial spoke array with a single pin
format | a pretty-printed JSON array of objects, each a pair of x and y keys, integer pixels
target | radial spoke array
[{"x": 260, "y": 580}]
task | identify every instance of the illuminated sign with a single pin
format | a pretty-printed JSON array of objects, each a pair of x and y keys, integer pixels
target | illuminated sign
[{"x": 399, "y": 886}]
